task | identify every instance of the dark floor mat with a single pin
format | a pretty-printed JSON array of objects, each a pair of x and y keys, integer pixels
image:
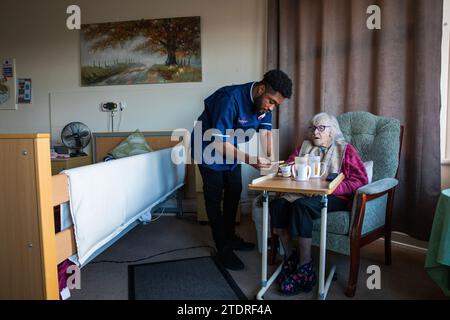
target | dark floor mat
[{"x": 200, "y": 278}]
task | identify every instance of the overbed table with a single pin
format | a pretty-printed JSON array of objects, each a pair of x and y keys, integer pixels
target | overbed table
[{"x": 275, "y": 183}]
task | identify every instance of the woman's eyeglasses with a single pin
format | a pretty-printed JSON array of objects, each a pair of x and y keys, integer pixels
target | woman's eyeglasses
[{"x": 320, "y": 128}]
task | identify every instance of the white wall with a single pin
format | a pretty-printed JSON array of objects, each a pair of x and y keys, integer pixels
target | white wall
[{"x": 35, "y": 34}]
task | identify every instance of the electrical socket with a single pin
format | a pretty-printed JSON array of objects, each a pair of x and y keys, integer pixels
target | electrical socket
[{"x": 109, "y": 106}]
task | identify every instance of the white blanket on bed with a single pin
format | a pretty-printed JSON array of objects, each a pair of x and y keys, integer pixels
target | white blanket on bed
[{"x": 107, "y": 197}]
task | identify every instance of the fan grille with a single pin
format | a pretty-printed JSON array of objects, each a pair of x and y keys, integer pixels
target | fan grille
[{"x": 76, "y": 136}]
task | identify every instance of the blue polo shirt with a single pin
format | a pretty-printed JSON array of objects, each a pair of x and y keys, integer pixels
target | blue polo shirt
[{"x": 230, "y": 107}]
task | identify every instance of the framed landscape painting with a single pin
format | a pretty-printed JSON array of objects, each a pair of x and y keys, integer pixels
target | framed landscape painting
[{"x": 141, "y": 51}]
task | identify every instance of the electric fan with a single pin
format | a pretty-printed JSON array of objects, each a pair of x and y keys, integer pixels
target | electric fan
[{"x": 76, "y": 136}]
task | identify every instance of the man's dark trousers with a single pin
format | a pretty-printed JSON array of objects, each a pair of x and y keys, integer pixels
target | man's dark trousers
[{"x": 216, "y": 184}]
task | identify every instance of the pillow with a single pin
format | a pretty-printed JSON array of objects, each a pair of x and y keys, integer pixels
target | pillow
[
  {"x": 133, "y": 145},
  {"x": 369, "y": 169}
]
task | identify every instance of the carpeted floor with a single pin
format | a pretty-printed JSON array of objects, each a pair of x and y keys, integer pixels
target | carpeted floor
[{"x": 404, "y": 279}]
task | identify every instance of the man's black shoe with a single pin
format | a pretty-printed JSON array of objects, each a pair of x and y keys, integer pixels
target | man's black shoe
[
  {"x": 239, "y": 244},
  {"x": 229, "y": 259}
]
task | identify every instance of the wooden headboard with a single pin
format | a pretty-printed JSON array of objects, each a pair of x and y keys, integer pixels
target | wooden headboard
[{"x": 105, "y": 142}]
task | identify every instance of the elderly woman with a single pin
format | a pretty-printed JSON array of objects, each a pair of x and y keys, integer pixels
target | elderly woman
[{"x": 297, "y": 212}]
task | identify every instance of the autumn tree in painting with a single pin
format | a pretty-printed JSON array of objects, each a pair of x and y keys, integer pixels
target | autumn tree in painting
[{"x": 173, "y": 37}]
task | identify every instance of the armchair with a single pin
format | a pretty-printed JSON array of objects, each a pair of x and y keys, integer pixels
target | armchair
[{"x": 378, "y": 139}]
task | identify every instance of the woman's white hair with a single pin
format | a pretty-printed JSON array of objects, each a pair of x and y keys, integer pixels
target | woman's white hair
[{"x": 331, "y": 121}]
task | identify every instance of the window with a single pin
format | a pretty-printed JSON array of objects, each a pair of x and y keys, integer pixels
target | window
[{"x": 445, "y": 74}]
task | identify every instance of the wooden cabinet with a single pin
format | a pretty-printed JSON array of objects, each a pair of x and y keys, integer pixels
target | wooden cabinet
[
  {"x": 59, "y": 165},
  {"x": 28, "y": 261},
  {"x": 202, "y": 217}
]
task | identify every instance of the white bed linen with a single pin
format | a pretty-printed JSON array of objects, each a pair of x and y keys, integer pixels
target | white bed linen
[{"x": 105, "y": 198}]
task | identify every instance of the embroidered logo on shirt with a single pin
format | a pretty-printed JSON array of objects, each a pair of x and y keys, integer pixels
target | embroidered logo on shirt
[{"x": 242, "y": 120}]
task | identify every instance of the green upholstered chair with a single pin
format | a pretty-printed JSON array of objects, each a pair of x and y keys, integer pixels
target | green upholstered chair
[{"x": 378, "y": 139}]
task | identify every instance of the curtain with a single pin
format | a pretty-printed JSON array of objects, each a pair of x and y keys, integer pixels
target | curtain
[{"x": 338, "y": 65}]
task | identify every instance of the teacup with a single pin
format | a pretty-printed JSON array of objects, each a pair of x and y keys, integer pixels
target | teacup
[{"x": 286, "y": 170}]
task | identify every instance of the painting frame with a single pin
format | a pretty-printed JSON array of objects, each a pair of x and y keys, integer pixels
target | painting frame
[{"x": 151, "y": 51}]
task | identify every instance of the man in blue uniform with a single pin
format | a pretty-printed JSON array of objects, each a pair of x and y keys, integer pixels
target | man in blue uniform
[{"x": 247, "y": 107}]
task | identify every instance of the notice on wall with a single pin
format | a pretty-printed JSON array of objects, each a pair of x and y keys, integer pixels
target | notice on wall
[
  {"x": 24, "y": 91},
  {"x": 7, "y": 85}
]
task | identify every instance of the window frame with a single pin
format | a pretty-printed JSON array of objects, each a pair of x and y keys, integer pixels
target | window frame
[{"x": 445, "y": 83}]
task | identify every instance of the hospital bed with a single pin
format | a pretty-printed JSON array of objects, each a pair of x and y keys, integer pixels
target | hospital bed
[{"x": 101, "y": 202}]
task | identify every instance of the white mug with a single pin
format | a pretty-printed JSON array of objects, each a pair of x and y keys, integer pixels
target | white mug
[{"x": 301, "y": 172}]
